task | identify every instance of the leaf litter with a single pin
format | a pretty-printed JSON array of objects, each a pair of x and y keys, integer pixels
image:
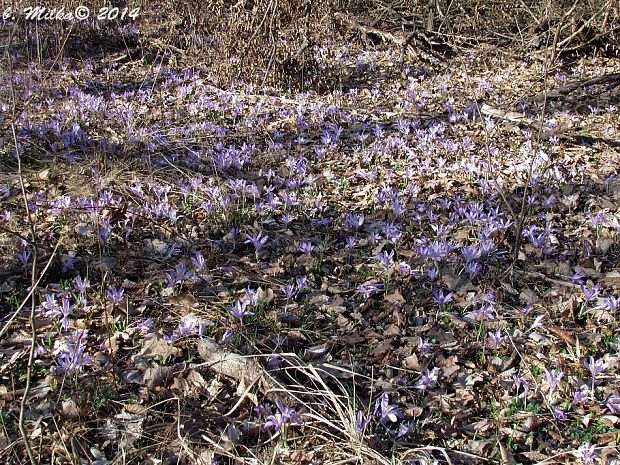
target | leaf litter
[{"x": 246, "y": 278}]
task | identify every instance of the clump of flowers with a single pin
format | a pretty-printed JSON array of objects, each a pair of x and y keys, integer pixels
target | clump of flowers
[
  {"x": 72, "y": 356},
  {"x": 383, "y": 413},
  {"x": 596, "y": 367},
  {"x": 276, "y": 421},
  {"x": 239, "y": 310}
]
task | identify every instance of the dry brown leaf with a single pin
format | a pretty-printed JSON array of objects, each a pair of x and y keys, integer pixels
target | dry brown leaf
[
  {"x": 69, "y": 409},
  {"x": 507, "y": 457},
  {"x": 157, "y": 376},
  {"x": 412, "y": 363},
  {"x": 395, "y": 298},
  {"x": 564, "y": 335},
  {"x": 155, "y": 346}
]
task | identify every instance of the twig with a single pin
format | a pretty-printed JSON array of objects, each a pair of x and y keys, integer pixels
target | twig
[
  {"x": 16, "y": 116},
  {"x": 530, "y": 12},
  {"x": 273, "y": 41},
  {"x": 13, "y": 233},
  {"x": 592, "y": 39},
  {"x": 583, "y": 26},
  {"x": 33, "y": 288},
  {"x": 554, "y": 47},
  {"x": 33, "y": 280},
  {"x": 262, "y": 21},
  {"x": 497, "y": 186},
  {"x": 522, "y": 213}
]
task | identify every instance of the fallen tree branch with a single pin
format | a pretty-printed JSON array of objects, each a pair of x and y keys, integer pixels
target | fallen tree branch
[
  {"x": 521, "y": 120},
  {"x": 567, "y": 89}
]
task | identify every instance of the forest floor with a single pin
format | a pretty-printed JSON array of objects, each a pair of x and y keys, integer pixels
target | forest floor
[{"x": 420, "y": 266}]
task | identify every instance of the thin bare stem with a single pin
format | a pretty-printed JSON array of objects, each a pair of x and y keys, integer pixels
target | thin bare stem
[
  {"x": 33, "y": 280},
  {"x": 528, "y": 180}
]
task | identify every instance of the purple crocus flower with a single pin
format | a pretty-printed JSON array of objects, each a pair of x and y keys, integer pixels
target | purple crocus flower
[
  {"x": 182, "y": 273},
  {"x": 258, "y": 240},
  {"x": 424, "y": 347},
  {"x": 471, "y": 253},
  {"x": 473, "y": 269},
  {"x": 285, "y": 414},
  {"x": 580, "y": 397},
  {"x": 275, "y": 421},
  {"x": 353, "y": 221},
  {"x": 66, "y": 308},
  {"x": 588, "y": 453},
  {"x": 404, "y": 269},
  {"x": 50, "y": 305},
  {"x": 428, "y": 379},
  {"x": 398, "y": 207},
  {"x": 228, "y": 334},
  {"x": 385, "y": 258},
  {"x": 553, "y": 378},
  {"x": 24, "y": 257},
  {"x": 441, "y": 299},
  {"x": 392, "y": 232},
  {"x": 275, "y": 362},
  {"x": 369, "y": 289},
  {"x": 521, "y": 382},
  {"x": 306, "y": 247},
  {"x": 496, "y": 339},
  {"x": 613, "y": 404},
  {"x": 518, "y": 381},
  {"x": 287, "y": 219},
  {"x": 486, "y": 311},
  {"x": 361, "y": 422},
  {"x": 240, "y": 310},
  {"x": 144, "y": 327},
  {"x": 104, "y": 230},
  {"x": 374, "y": 237},
  {"x": 433, "y": 273},
  {"x": 559, "y": 414},
  {"x": 595, "y": 367},
  {"x": 590, "y": 294},
  {"x": 288, "y": 413},
  {"x": 81, "y": 285},
  {"x": 171, "y": 279},
  {"x": 302, "y": 283},
  {"x": 386, "y": 411},
  {"x": 612, "y": 303},
  {"x": 577, "y": 278},
  {"x": 263, "y": 411},
  {"x": 72, "y": 358},
  {"x": 189, "y": 326},
  {"x": 198, "y": 261},
  {"x": 251, "y": 296},
  {"x": 290, "y": 291},
  {"x": 115, "y": 294}
]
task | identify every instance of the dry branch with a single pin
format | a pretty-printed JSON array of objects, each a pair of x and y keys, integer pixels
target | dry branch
[{"x": 572, "y": 87}]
